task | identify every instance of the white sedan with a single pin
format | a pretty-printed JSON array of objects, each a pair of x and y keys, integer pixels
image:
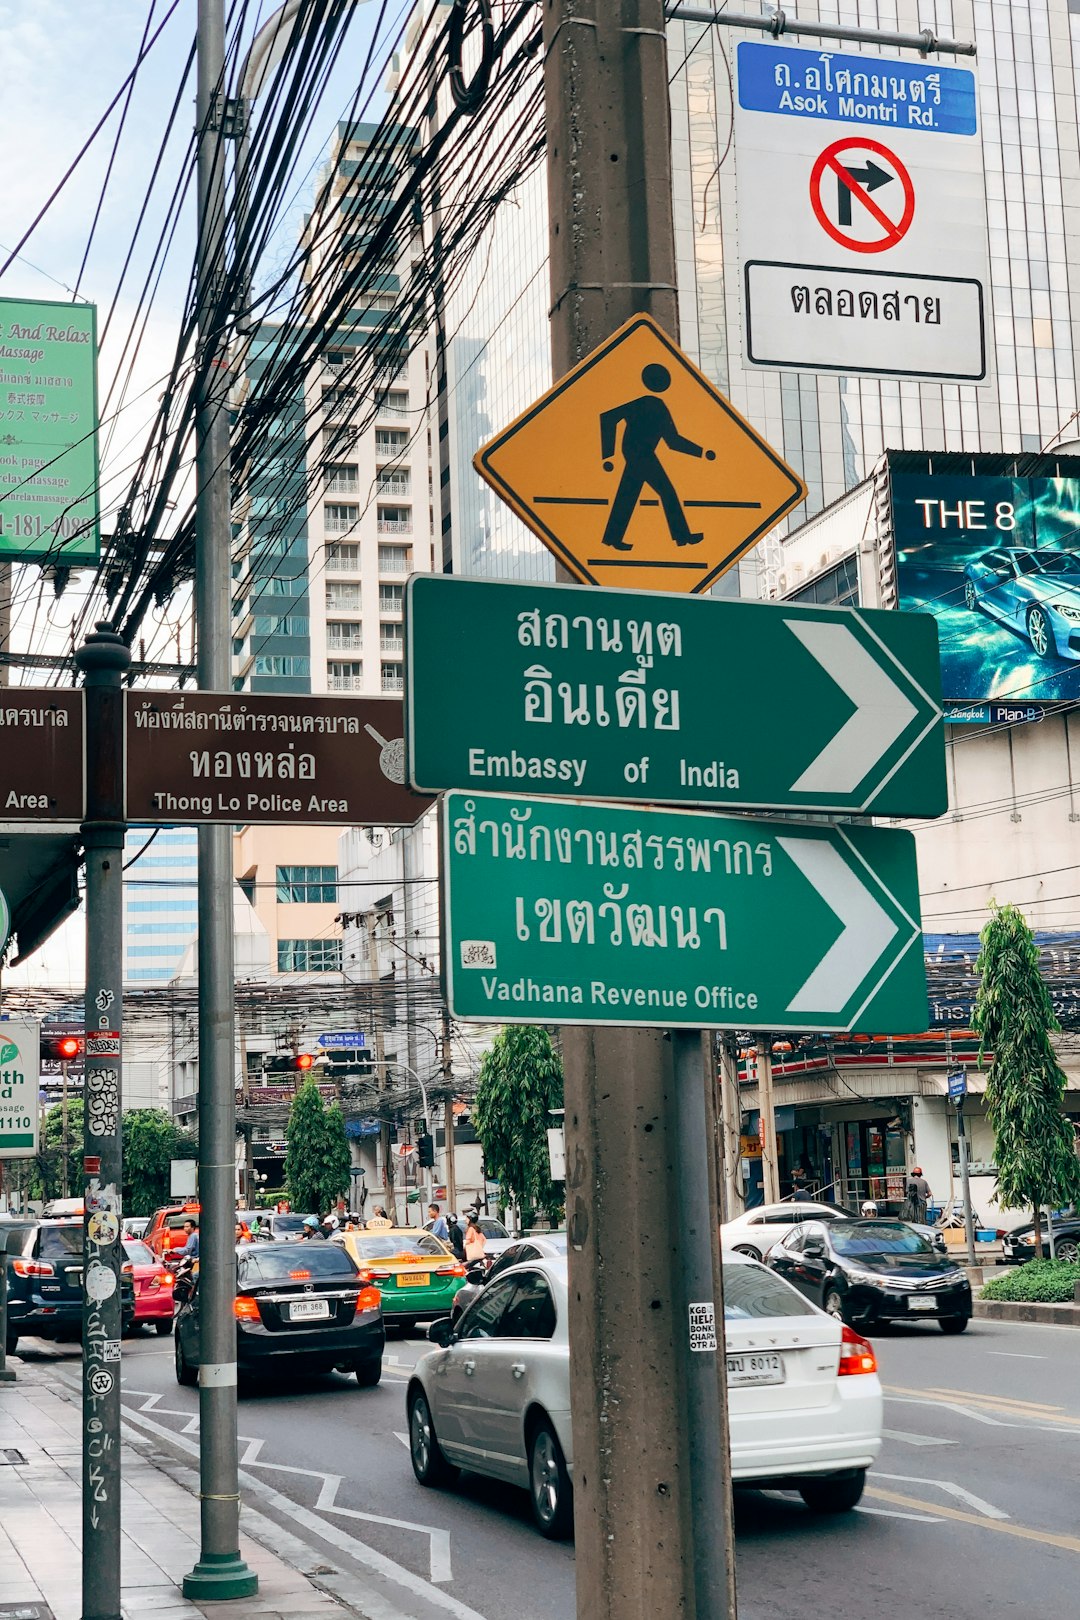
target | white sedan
[
  {"x": 755, "y": 1231},
  {"x": 805, "y": 1403}
]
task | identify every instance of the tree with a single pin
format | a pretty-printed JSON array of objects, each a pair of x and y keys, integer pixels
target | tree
[
  {"x": 152, "y": 1139},
  {"x": 317, "y": 1156},
  {"x": 520, "y": 1083},
  {"x": 45, "y": 1177},
  {"x": 1025, "y": 1087}
]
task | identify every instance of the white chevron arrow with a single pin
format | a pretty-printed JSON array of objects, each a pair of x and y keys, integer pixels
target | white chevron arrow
[
  {"x": 882, "y": 710},
  {"x": 868, "y": 929}
]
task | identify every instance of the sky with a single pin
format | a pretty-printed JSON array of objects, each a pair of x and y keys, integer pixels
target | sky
[{"x": 62, "y": 63}]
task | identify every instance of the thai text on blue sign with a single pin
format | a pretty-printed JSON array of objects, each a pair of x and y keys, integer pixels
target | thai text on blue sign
[
  {"x": 350, "y": 1040},
  {"x": 958, "y": 1085},
  {"x": 852, "y": 88}
]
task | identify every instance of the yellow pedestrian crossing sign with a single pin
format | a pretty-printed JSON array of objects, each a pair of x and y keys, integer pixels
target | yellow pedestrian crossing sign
[{"x": 636, "y": 472}]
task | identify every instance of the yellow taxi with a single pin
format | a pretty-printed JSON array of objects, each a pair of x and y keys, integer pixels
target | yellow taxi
[{"x": 417, "y": 1273}]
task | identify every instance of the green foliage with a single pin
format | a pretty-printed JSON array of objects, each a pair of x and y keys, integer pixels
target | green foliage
[
  {"x": 1040, "y": 1282},
  {"x": 1025, "y": 1087},
  {"x": 45, "y": 1172},
  {"x": 152, "y": 1139},
  {"x": 520, "y": 1082},
  {"x": 317, "y": 1156}
]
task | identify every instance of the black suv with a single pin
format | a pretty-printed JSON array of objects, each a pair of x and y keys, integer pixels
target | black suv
[{"x": 45, "y": 1270}]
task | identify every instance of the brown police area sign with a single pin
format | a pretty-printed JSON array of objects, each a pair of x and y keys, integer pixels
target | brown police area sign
[
  {"x": 42, "y": 754},
  {"x": 208, "y": 757},
  {"x": 636, "y": 472}
]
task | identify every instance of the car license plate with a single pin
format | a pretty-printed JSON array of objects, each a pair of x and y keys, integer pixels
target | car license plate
[
  {"x": 302, "y": 1310},
  {"x": 414, "y": 1279},
  {"x": 916, "y": 1303},
  {"x": 747, "y": 1369}
]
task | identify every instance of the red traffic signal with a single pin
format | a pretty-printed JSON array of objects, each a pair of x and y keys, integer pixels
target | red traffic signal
[
  {"x": 61, "y": 1048},
  {"x": 291, "y": 1063},
  {"x": 304, "y": 1060}
]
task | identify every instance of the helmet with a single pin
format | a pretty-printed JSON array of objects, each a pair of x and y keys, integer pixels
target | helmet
[{"x": 311, "y": 1220}]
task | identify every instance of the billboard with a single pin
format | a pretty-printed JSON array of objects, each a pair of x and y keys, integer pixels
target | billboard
[
  {"x": 996, "y": 558},
  {"x": 48, "y": 431}
]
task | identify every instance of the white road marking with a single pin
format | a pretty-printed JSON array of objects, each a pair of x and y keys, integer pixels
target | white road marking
[
  {"x": 1015, "y": 1355},
  {"x": 377, "y": 1562},
  {"x": 892, "y": 1513},
  {"x": 402, "y": 1437},
  {"x": 916, "y": 1439},
  {"x": 987, "y": 1509},
  {"x": 955, "y": 1406}
]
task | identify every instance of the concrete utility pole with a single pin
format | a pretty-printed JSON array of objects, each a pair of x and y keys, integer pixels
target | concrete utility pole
[
  {"x": 220, "y": 1572},
  {"x": 652, "y": 1515},
  {"x": 770, "y": 1169},
  {"x": 386, "y": 1136},
  {"x": 102, "y": 660}
]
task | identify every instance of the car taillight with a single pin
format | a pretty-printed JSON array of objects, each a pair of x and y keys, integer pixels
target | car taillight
[
  {"x": 246, "y": 1309},
  {"x": 450, "y": 1271},
  {"x": 165, "y": 1279},
  {"x": 127, "y": 1269},
  {"x": 378, "y": 1276},
  {"x": 368, "y": 1299},
  {"x": 32, "y": 1268},
  {"x": 856, "y": 1354}
]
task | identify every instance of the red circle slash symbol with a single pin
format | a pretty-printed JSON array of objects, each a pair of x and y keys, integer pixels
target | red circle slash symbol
[{"x": 842, "y": 186}]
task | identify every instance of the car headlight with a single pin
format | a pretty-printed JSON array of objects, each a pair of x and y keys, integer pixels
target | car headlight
[
  {"x": 1026, "y": 1237},
  {"x": 1066, "y": 610},
  {"x": 872, "y": 1279}
]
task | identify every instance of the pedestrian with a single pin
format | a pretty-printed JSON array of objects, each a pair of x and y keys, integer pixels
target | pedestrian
[
  {"x": 800, "y": 1192},
  {"x": 456, "y": 1236},
  {"x": 242, "y": 1233},
  {"x": 918, "y": 1197},
  {"x": 191, "y": 1240},
  {"x": 475, "y": 1242},
  {"x": 436, "y": 1224}
]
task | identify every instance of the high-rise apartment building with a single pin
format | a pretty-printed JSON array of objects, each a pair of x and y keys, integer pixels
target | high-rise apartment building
[{"x": 160, "y": 902}]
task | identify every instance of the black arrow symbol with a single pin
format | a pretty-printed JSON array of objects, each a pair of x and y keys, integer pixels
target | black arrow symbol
[{"x": 869, "y": 178}]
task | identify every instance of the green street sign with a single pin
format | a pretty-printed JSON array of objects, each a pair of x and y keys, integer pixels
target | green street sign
[
  {"x": 20, "y": 1053},
  {"x": 48, "y": 431},
  {"x": 605, "y": 914},
  {"x": 578, "y": 692}
]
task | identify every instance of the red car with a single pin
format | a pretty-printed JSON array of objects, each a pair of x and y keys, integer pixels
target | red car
[{"x": 153, "y": 1287}]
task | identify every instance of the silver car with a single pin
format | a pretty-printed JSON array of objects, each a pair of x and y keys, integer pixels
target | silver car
[{"x": 1034, "y": 592}]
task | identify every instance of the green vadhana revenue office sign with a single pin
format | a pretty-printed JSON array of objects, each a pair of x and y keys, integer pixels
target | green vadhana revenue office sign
[
  {"x": 48, "y": 431},
  {"x": 571, "y": 913}
]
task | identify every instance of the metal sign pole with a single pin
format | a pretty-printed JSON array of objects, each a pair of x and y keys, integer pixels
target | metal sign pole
[
  {"x": 965, "y": 1181},
  {"x": 102, "y": 660}
]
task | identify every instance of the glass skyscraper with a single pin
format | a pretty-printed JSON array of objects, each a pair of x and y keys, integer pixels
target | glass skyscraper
[{"x": 160, "y": 902}]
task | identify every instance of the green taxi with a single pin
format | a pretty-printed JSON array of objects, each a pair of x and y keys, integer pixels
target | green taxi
[{"x": 417, "y": 1274}]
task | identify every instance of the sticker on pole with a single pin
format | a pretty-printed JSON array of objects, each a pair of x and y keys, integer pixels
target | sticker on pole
[
  {"x": 703, "y": 1326},
  {"x": 862, "y": 195}
]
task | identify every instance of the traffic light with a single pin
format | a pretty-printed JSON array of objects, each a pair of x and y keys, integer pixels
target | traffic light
[
  {"x": 60, "y": 1048},
  {"x": 425, "y": 1152},
  {"x": 290, "y": 1063}
]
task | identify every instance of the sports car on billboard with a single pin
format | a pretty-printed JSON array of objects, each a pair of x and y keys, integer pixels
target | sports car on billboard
[{"x": 1035, "y": 593}]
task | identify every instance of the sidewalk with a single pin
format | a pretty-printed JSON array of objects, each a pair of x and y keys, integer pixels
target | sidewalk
[{"x": 41, "y": 1521}]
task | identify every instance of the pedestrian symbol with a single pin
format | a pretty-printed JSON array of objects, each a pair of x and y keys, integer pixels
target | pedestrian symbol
[
  {"x": 636, "y": 472},
  {"x": 844, "y": 193}
]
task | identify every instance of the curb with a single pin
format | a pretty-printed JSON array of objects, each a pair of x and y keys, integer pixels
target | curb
[{"x": 1000, "y": 1310}]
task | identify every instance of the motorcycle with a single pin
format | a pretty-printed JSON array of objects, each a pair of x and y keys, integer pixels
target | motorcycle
[{"x": 471, "y": 1288}]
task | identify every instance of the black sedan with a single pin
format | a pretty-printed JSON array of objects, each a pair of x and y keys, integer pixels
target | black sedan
[
  {"x": 1019, "y": 1245},
  {"x": 45, "y": 1281},
  {"x": 866, "y": 1272},
  {"x": 302, "y": 1308}
]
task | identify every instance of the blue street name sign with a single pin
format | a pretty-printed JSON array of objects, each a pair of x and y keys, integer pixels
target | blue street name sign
[
  {"x": 958, "y": 1085},
  {"x": 845, "y": 87},
  {"x": 350, "y": 1040}
]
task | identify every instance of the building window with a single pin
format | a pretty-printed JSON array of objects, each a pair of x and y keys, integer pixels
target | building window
[
  {"x": 307, "y": 885},
  {"x": 347, "y": 637},
  {"x": 340, "y": 438},
  {"x": 339, "y": 518},
  {"x": 339, "y": 401},
  {"x": 283, "y": 666},
  {"x": 342, "y": 676},
  {"x": 336, "y": 358},
  {"x": 838, "y": 588},
  {"x": 343, "y": 559},
  {"x": 391, "y": 597},
  {"x": 395, "y": 520},
  {"x": 391, "y": 441},
  {"x": 309, "y": 956},
  {"x": 390, "y": 640},
  {"x": 393, "y": 559},
  {"x": 394, "y": 481},
  {"x": 342, "y": 477},
  {"x": 345, "y": 598},
  {"x": 393, "y": 677},
  {"x": 394, "y": 404},
  {"x": 289, "y": 624}
]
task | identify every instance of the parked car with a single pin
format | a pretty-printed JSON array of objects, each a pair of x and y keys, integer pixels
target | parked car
[
  {"x": 417, "y": 1273},
  {"x": 494, "y": 1397},
  {"x": 45, "y": 1271},
  {"x": 166, "y": 1229},
  {"x": 1018, "y": 1245},
  {"x": 297, "y": 1310},
  {"x": 755, "y": 1231},
  {"x": 866, "y": 1272},
  {"x": 1034, "y": 592},
  {"x": 153, "y": 1287}
]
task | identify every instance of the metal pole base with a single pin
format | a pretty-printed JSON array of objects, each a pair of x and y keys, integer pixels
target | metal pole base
[
  {"x": 6, "y": 1375},
  {"x": 218, "y": 1577}
]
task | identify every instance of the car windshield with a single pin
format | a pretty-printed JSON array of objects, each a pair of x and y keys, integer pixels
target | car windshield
[
  {"x": 752, "y": 1291},
  {"x": 267, "y": 1263},
  {"x": 287, "y": 1223},
  {"x": 888, "y": 1237},
  {"x": 57, "y": 1241},
  {"x": 1047, "y": 562},
  {"x": 139, "y": 1254},
  {"x": 492, "y": 1229},
  {"x": 393, "y": 1246}
]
